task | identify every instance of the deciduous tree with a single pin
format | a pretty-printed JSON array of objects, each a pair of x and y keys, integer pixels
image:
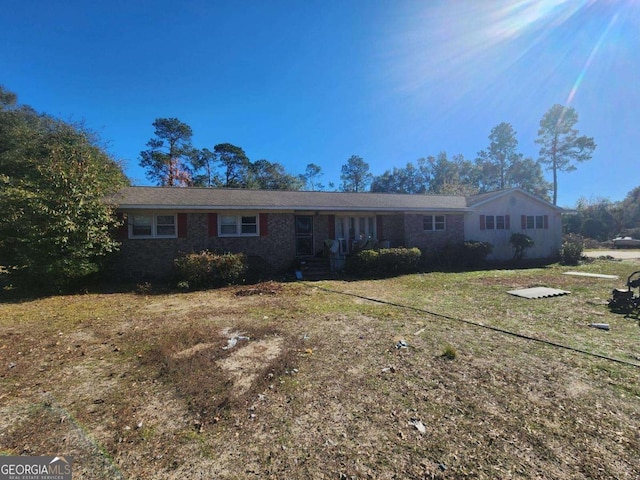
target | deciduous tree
[
  {"x": 457, "y": 176},
  {"x": 54, "y": 179},
  {"x": 410, "y": 179}
]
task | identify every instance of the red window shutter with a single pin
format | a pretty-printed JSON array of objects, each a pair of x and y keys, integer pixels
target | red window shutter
[
  {"x": 483, "y": 222},
  {"x": 182, "y": 225},
  {"x": 546, "y": 222},
  {"x": 122, "y": 233},
  {"x": 523, "y": 222},
  {"x": 264, "y": 224},
  {"x": 507, "y": 222},
  {"x": 331, "y": 219},
  {"x": 213, "y": 224}
]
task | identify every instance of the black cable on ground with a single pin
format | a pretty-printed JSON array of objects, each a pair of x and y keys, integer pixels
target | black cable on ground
[{"x": 482, "y": 325}]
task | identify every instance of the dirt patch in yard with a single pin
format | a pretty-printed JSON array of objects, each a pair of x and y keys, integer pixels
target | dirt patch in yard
[
  {"x": 315, "y": 385},
  {"x": 245, "y": 363}
]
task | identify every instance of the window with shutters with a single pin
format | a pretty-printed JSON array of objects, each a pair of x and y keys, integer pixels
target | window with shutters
[
  {"x": 148, "y": 225},
  {"x": 495, "y": 222},
  {"x": 238, "y": 226},
  {"x": 535, "y": 222}
]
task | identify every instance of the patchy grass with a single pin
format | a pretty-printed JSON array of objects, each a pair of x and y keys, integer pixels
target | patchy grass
[{"x": 148, "y": 386}]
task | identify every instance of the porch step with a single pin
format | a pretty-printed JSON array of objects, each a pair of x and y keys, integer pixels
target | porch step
[{"x": 316, "y": 269}]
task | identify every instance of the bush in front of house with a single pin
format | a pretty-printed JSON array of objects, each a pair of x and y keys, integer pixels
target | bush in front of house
[
  {"x": 399, "y": 260},
  {"x": 469, "y": 254},
  {"x": 207, "y": 269},
  {"x": 520, "y": 242},
  {"x": 364, "y": 263},
  {"x": 571, "y": 249},
  {"x": 475, "y": 253},
  {"x": 384, "y": 262}
]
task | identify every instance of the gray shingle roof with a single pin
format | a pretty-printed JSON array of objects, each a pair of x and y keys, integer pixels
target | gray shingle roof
[{"x": 218, "y": 198}]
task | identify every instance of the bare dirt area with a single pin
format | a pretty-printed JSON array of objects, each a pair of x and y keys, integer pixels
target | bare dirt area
[{"x": 299, "y": 381}]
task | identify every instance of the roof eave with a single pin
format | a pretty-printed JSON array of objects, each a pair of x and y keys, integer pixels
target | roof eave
[{"x": 292, "y": 207}]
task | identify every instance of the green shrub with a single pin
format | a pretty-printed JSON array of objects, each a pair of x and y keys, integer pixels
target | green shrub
[
  {"x": 363, "y": 263},
  {"x": 399, "y": 260},
  {"x": 474, "y": 253},
  {"x": 463, "y": 255},
  {"x": 520, "y": 242},
  {"x": 206, "y": 269},
  {"x": 384, "y": 262},
  {"x": 571, "y": 249}
]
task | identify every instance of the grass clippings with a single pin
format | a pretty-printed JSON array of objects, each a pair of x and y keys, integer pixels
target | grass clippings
[{"x": 148, "y": 386}]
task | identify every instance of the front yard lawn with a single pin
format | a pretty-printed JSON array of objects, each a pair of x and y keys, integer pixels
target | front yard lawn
[{"x": 313, "y": 379}]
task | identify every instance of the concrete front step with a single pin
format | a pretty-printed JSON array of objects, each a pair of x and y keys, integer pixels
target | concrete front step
[{"x": 316, "y": 269}]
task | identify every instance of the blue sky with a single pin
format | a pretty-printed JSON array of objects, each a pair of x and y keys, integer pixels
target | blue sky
[{"x": 309, "y": 81}]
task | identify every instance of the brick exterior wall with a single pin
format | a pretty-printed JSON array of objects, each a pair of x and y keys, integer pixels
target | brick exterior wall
[
  {"x": 153, "y": 257},
  {"x": 429, "y": 241},
  {"x": 393, "y": 230}
]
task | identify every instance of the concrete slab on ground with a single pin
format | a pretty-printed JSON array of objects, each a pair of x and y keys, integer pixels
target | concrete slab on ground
[{"x": 538, "y": 292}]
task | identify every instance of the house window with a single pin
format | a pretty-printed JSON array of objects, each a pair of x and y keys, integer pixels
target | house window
[
  {"x": 165, "y": 226},
  {"x": 495, "y": 222},
  {"x": 238, "y": 225},
  {"x": 152, "y": 226},
  {"x": 249, "y": 225},
  {"x": 535, "y": 222},
  {"x": 432, "y": 223}
]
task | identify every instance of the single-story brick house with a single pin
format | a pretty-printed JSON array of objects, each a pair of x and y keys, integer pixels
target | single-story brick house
[{"x": 160, "y": 223}]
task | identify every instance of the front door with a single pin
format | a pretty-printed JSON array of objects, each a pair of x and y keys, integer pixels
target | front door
[{"x": 304, "y": 235}]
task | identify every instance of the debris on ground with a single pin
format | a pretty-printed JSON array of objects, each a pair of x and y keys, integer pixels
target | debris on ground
[
  {"x": 419, "y": 425},
  {"x": 538, "y": 292},
  {"x": 401, "y": 344},
  {"x": 264, "y": 288},
  {"x": 233, "y": 341},
  {"x": 601, "y": 326}
]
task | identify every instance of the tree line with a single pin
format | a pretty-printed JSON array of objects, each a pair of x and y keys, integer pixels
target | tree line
[
  {"x": 57, "y": 228},
  {"x": 601, "y": 219},
  {"x": 171, "y": 160}
]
